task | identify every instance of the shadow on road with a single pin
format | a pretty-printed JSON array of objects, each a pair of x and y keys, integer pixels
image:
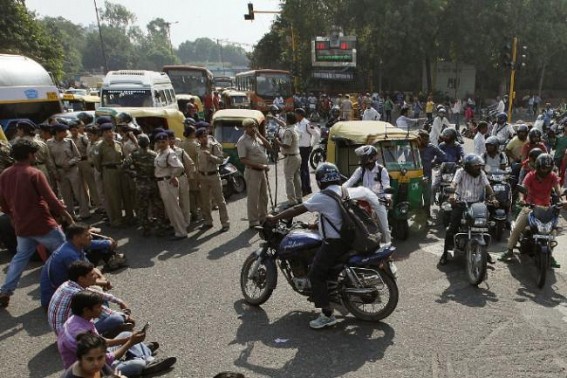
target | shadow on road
[
  {"x": 330, "y": 352},
  {"x": 233, "y": 245},
  {"x": 34, "y": 323},
  {"x": 42, "y": 364}
]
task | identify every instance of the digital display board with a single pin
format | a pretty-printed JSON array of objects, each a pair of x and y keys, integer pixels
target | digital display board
[{"x": 337, "y": 51}]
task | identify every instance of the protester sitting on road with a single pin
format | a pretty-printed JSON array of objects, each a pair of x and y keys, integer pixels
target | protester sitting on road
[
  {"x": 126, "y": 351},
  {"x": 91, "y": 358},
  {"x": 82, "y": 276},
  {"x": 54, "y": 272}
]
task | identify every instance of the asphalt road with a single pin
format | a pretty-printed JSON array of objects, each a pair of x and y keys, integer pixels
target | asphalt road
[{"x": 189, "y": 292}]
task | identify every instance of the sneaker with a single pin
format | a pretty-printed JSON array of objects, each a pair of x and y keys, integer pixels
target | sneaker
[
  {"x": 225, "y": 228},
  {"x": 153, "y": 346},
  {"x": 323, "y": 321},
  {"x": 206, "y": 226},
  {"x": 508, "y": 256},
  {"x": 554, "y": 263},
  {"x": 159, "y": 364},
  {"x": 116, "y": 262},
  {"x": 4, "y": 300}
]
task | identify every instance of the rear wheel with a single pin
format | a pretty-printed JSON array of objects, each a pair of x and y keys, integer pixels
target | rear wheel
[
  {"x": 375, "y": 301},
  {"x": 543, "y": 263},
  {"x": 498, "y": 231},
  {"x": 238, "y": 183},
  {"x": 476, "y": 256},
  {"x": 316, "y": 157},
  {"x": 257, "y": 283}
]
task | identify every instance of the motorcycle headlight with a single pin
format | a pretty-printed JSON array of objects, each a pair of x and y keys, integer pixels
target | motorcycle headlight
[
  {"x": 446, "y": 206},
  {"x": 403, "y": 208},
  {"x": 480, "y": 221},
  {"x": 447, "y": 177},
  {"x": 544, "y": 228}
]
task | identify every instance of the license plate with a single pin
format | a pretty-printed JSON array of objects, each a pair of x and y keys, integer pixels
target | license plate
[
  {"x": 545, "y": 237},
  {"x": 479, "y": 229},
  {"x": 499, "y": 188}
]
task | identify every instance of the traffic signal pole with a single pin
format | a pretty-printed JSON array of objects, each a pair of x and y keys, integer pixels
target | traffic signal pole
[{"x": 512, "y": 93}]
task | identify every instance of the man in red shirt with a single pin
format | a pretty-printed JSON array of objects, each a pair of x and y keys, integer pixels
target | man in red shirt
[
  {"x": 26, "y": 197},
  {"x": 538, "y": 184}
]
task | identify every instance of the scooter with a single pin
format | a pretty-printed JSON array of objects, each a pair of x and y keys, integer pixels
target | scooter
[{"x": 232, "y": 180}]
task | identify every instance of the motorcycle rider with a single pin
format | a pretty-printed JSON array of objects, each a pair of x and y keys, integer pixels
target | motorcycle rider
[
  {"x": 502, "y": 129},
  {"x": 514, "y": 149},
  {"x": 470, "y": 184},
  {"x": 334, "y": 116},
  {"x": 494, "y": 159},
  {"x": 439, "y": 124},
  {"x": 538, "y": 184},
  {"x": 528, "y": 165},
  {"x": 374, "y": 176},
  {"x": 534, "y": 141},
  {"x": 429, "y": 154},
  {"x": 453, "y": 151},
  {"x": 330, "y": 220}
]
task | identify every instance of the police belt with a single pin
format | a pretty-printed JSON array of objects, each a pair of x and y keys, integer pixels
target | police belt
[{"x": 208, "y": 173}]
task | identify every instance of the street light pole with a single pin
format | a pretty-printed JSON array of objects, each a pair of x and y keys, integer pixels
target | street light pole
[{"x": 101, "y": 40}]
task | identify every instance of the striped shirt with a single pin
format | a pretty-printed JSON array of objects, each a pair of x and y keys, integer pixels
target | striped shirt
[{"x": 469, "y": 188}]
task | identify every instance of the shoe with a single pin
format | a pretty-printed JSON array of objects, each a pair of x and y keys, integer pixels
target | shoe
[
  {"x": 444, "y": 259},
  {"x": 4, "y": 300},
  {"x": 507, "y": 257},
  {"x": 489, "y": 259},
  {"x": 152, "y": 346},
  {"x": 206, "y": 227},
  {"x": 116, "y": 262},
  {"x": 323, "y": 321},
  {"x": 554, "y": 263},
  {"x": 176, "y": 238},
  {"x": 159, "y": 364},
  {"x": 225, "y": 228}
]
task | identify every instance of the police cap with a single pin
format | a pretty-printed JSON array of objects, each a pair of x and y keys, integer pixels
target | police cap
[
  {"x": 59, "y": 127},
  {"x": 106, "y": 126}
]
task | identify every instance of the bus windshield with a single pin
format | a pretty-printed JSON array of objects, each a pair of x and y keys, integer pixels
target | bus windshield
[
  {"x": 126, "y": 98},
  {"x": 271, "y": 85},
  {"x": 188, "y": 82}
]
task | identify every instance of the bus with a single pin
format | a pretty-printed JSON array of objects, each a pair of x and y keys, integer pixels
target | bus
[
  {"x": 190, "y": 81},
  {"x": 26, "y": 91},
  {"x": 223, "y": 82},
  {"x": 262, "y": 86}
]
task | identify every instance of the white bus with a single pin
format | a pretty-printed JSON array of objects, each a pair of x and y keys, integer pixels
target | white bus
[
  {"x": 26, "y": 91},
  {"x": 138, "y": 89}
]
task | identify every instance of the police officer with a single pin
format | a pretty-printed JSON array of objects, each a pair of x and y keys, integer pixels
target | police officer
[
  {"x": 190, "y": 146},
  {"x": 65, "y": 157},
  {"x": 142, "y": 163},
  {"x": 93, "y": 133},
  {"x": 209, "y": 156},
  {"x": 252, "y": 154},
  {"x": 43, "y": 160},
  {"x": 85, "y": 168},
  {"x": 167, "y": 170},
  {"x": 108, "y": 160},
  {"x": 292, "y": 161},
  {"x": 188, "y": 171},
  {"x": 129, "y": 144}
]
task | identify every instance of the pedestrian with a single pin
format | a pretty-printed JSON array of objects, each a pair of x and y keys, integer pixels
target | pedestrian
[
  {"x": 370, "y": 114},
  {"x": 108, "y": 161},
  {"x": 251, "y": 152},
  {"x": 209, "y": 156},
  {"x": 404, "y": 122},
  {"x": 148, "y": 200},
  {"x": 86, "y": 172},
  {"x": 429, "y": 106},
  {"x": 480, "y": 138},
  {"x": 25, "y": 196},
  {"x": 417, "y": 107},
  {"x": 347, "y": 108},
  {"x": 292, "y": 161},
  {"x": 457, "y": 109},
  {"x": 305, "y": 131},
  {"x": 190, "y": 145},
  {"x": 168, "y": 168},
  {"x": 430, "y": 154},
  {"x": 65, "y": 157},
  {"x": 440, "y": 123},
  {"x": 188, "y": 171},
  {"x": 388, "y": 107}
]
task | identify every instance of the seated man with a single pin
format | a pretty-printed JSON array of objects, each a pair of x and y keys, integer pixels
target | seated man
[
  {"x": 82, "y": 275},
  {"x": 127, "y": 353},
  {"x": 54, "y": 272}
]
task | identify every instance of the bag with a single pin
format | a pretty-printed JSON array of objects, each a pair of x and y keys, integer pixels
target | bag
[{"x": 359, "y": 231}]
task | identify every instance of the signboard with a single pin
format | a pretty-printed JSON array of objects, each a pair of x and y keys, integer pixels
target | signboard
[
  {"x": 333, "y": 75},
  {"x": 335, "y": 51}
]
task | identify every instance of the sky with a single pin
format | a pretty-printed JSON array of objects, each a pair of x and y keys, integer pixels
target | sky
[{"x": 215, "y": 19}]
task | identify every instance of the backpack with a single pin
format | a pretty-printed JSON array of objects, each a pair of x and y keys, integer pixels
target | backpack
[{"x": 359, "y": 231}]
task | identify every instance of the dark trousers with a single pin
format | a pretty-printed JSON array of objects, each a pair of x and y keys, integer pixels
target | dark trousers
[
  {"x": 304, "y": 170},
  {"x": 454, "y": 223},
  {"x": 325, "y": 258},
  {"x": 388, "y": 116}
]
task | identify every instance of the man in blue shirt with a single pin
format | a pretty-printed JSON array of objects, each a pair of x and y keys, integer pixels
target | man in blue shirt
[
  {"x": 54, "y": 272},
  {"x": 430, "y": 154}
]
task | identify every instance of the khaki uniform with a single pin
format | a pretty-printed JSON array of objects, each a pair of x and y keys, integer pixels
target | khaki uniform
[
  {"x": 256, "y": 180},
  {"x": 167, "y": 166},
  {"x": 190, "y": 145},
  {"x": 184, "y": 186},
  {"x": 86, "y": 169},
  {"x": 128, "y": 147},
  {"x": 292, "y": 165},
  {"x": 43, "y": 160},
  {"x": 65, "y": 157},
  {"x": 92, "y": 151},
  {"x": 211, "y": 185},
  {"x": 108, "y": 160}
]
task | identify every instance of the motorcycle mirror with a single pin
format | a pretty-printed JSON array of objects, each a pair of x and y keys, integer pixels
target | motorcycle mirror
[
  {"x": 521, "y": 189},
  {"x": 450, "y": 190},
  {"x": 389, "y": 190}
]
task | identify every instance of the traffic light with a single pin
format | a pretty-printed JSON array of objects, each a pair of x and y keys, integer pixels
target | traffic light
[
  {"x": 250, "y": 15},
  {"x": 506, "y": 56},
  {"x": 521, "y": 57}
]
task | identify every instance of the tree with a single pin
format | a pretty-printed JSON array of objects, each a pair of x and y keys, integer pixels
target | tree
[{"x": 72, "y": 40}]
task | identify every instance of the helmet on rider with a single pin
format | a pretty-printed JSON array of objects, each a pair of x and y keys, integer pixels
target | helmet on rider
[
  {"x": 449, "y": 135},
  {"x": 335, "y": 111},
  {"x": 534, "y": 153},
  {"x": 274, "y": 110},
  {"x": 492, "y": 144},
  {"x": 441, "y": 111},
  {"x": 367, "y": 155},
  {"x": 535, "y": 136},
  {"x": 544, "y": 165},
  {"x": 522, "y": 132},
  {"x": 502, "y": 118},
  {"x": 327, "y": 174},
  {"x": 473, "y": 164}
]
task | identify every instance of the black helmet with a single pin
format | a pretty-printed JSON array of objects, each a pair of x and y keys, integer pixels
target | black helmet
[
  {"x": 327, "y": 174},
  {"x": 189, "y": 122},
  {"x": 85, "y": 118},
  {"x": 449, "y": 134},
  {"x": 534, "y": 133},
  {"x": 366, "y": 153},
  {"x": 472, "y": 164},
  {"x": 143, "y": 140},
  {"x": 544, "y": 161},
  {"x": 492, "y": 141},
  {"x": 123, "y": 118},
  {"x": 274, "y": 109},
  {"x": 534, "y": 153},
  {"x": 523, "y": 128},
  {"x": 335, "y": 111},
  {"x": 502, "y": 117}
]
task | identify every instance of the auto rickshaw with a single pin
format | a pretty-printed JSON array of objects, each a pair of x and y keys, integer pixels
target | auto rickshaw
[
  {"x": 150, "y": 118},
  {"x": 227, "y": 129},
  {"x": 235, "y": 100},
  {"x": 76, "y": 103},
  {"x": 398, "y": 153},
  {"x": 183, "y": 99}
]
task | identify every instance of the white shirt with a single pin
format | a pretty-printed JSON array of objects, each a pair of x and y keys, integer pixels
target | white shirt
[
  {"x": 468, "y": 188},
  {"x": 302, "y": 128},
  {"x": 436, "y": 128},
  {"x": 279, "y": 102},
  {"x": 493, "y": 163},
  {"x": 404, "y": 122},
  {"x": 479, "y": 144},
  {"x": 501, "y": 107},
  {"x": 504, "y": 132},
  {"x": 369, "y": 179},
  {"x": 329, "y": 208},
  {"x": 371, "y": 114}
]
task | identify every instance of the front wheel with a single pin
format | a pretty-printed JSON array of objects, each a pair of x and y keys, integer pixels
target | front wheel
[
  {"x": 257, "y": 279},
  {"x": 476, "y": 256},
  {"x": 376, "y": 301},
  {"x": 543, "y": 262},
  {"x": 498, "y": 231},
  {"x": 238, "y": 183},
  {"x": 317, "y": 157}
]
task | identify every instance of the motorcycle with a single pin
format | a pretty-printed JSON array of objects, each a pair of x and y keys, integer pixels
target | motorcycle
[
  {"x": 364, "y": 284},
  {"x": 473, "y": 239},
  {"x": 231, "y": 178},
  {"x": 318, "y": 154},
  {"x": 272, "y": 132},
  {"x": 538, "y": 239},
  {"x": 503, "y": 192},
  {"x": 447, "y": 172}
]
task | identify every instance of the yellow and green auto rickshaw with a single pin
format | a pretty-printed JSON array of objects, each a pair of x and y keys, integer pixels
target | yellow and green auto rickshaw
[
  {"x": 150, "y": 118},
  {"x": 76, "y": 102},
  {"x": 233, "y": 99},
  {"x": 183, "y": 99},
  {"x": 398, "y": 152},
  {"x": 227, "y": 129}
]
